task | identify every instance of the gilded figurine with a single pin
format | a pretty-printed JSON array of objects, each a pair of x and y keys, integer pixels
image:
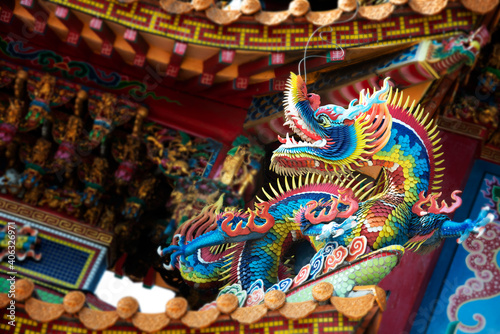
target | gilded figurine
[
  {"x": 11, "y": 117},
  {"x": 94, "y": 181},
  {"x": 92, "y": 214},
  {"x": 172, "y": 160},
  {"x": 40, "y": 105},
  {"x": 103, "y": 121},
  {"x": 246, "y": 179},
  {"x": 10, "y": 121},
  {"x": 68, "y": 135},
  {"x": 107, "y": 220},
  {"x": 233, "y": 163},
  {"x": 35, "y": 166},
  {"x": 108, "y": 112},
  {"x": 72, "y": 203},
  {"x": 135, "y": 205},
  {"x": 52, "y": 199},
  {"x": 33, "y": 195},
  {"x": 128, "y": 153}
]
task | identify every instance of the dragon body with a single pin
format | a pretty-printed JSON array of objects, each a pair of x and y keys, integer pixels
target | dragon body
[{"x": 321, "y": 199}]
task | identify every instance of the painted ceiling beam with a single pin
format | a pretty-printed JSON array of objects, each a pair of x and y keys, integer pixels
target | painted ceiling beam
[
  {"x": 316, "y": 63},
  {"x": 254, "y": 89},
  {"x": 101, "y": 29},
  {"x": 40, "y": 14},
  {"x": 71, "y": 22},
  {"x": 34, "y": 29},
  {"x": 211, "y": 66},
  {"x": 245, "y": 71},
  {"x": 261, "y": 65},
  {"x": 140, "y": 46},
  {"x": 281, "y": 73},
  {"x": 186, "y": 112},
  {"x": 274, "y": 85},
  {"x": 174, "y": 64},
  {"x": 82, "y": 51}
]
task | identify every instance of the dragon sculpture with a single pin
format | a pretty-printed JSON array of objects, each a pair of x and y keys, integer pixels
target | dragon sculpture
[{"x": 330, "y": 204}]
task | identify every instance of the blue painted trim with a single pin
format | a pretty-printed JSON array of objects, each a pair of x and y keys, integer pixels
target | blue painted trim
[
  {"x": 435, "y": 286},
  {"x": 94, "y": 273},
  {"x": 216, "y": 147}
]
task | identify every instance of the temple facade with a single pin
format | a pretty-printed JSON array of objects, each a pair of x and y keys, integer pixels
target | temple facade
[{"x": 279, "y": 167}]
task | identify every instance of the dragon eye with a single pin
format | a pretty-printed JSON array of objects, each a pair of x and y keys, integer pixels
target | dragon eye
[{"x": 324, "y": 121}]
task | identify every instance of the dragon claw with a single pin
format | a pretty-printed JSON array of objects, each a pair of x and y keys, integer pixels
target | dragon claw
[
  {"x": 477, "y": 226},
  {"x": 333, "y": 230},
  {"x": 176, "y": 250}
]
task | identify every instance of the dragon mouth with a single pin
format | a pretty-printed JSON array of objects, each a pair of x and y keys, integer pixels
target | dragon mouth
[
  {"x": 290, "y": 142},
  {"x": 299, "y": 127},
  {"x": 296, "y": 156}
]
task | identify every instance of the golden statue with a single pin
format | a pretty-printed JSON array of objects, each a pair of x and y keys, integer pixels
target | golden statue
[
  {"x": 72, "y": 204},
  {"x": 107, "y": 219},
  {"x": 52, "y": 199},
  {"x": 245, "y": 180},
  {"x": 32, "y": 196},
  {"x": 10, "y": 117},
  {"x": 44, "y": 89},
  {"x": 14, "y": 112},
  {"x": 40, "y": 152},
  {"x": 233, "y": 163},
  {"x": 91, "y": 216},
  {"x": 73, "y": 129},
  {"x": 495, "y": 140},
  {"x": 487, "y": 117},
  {"x": 97, "y": 171}
]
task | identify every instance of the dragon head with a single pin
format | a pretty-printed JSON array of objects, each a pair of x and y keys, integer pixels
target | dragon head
[{"x": 333, "y": 137}]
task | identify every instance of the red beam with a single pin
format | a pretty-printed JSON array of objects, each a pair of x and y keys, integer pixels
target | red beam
[
  {"x": 72, "y": 23},
  {"x": 219, "y": 61},
  {"x": 255, "y": 67},
  {"x": 175, "y": 61},
  {"x": 245, "y": 71},
  {"x": 239, "y": 87},
  {"x": 17, "y": 30},
  {"x": 101, "y": 29},
  {"x": 39, "y": 13},
  {"x": 211, "y": 66},
  {"x": 282, "y": 73},
  {"x": 260, "y": 88},
  {"x": 221, "y": 89},
  {"x": 262, "y": 64},
  {"x": 275, "y": 85},
  {"x": 312, "y": 64},
  {"x": 139, "y": 45}
]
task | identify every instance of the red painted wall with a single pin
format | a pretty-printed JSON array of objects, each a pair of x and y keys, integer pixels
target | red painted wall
[{"x": 409, "y": 279}]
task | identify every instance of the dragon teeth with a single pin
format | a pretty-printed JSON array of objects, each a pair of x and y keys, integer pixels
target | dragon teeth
[{"x": 292, "y": 143}]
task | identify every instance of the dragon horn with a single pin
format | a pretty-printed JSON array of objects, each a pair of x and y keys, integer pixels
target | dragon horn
[{"x": 219, "y": 203}]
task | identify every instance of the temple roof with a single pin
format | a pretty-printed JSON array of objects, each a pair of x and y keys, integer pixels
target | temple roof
[
  {"x": 298, "y": 10},
  {"x": 225, "y": 308},
  {"x": 190, "y": 53}
]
